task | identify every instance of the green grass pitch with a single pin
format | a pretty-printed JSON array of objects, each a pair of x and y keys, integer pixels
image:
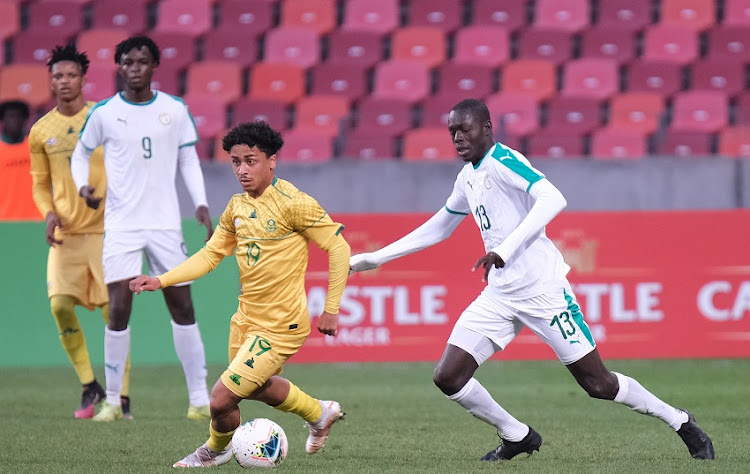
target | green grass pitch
[{"x": 396, "y": 421}]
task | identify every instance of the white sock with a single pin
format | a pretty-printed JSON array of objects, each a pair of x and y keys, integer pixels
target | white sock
[
  {"x": 634, "y": 396},
  {"x": 189, "y": 348},
  {"x": 478, "y": 401},
  {"x": 116, "y": 348}
]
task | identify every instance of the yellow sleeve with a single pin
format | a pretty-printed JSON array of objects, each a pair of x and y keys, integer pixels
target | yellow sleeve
[
  {"x": 313, "y": 222},
  {"x": 338, "y": 272},
  {"x": 41, "y": 180}
]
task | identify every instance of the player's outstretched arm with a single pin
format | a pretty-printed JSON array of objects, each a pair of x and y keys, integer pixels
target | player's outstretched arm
[
  {"x": 438, "y": 228},
  {"x": 144, "y": 283}
]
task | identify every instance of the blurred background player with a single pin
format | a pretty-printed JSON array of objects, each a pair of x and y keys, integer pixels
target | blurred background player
[
  {"x": 74, "y": 231},
  {"x": 512, "y": 202},
  {"x": 147, "y": 136},
  {"x": 269, "y": 228},
  {"x": 16, "y": 202}
]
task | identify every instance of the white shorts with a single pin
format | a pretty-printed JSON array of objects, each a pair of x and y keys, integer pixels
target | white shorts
[
  {"x": 491, "y": 322},
  {"x": 122, "y": 253}
]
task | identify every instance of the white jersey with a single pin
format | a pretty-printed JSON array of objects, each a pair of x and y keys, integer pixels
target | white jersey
[
  {"x": 141, "y": 145},
  {"x": 496, "y": 193}
]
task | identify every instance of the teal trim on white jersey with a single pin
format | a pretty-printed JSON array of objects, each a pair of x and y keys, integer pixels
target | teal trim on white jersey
[{"x": 507, "y": 157}]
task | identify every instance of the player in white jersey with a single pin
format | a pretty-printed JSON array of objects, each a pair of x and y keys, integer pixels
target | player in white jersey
[
  {"x": 511, "y": 203},
  {"x": 147, "y": 136}
]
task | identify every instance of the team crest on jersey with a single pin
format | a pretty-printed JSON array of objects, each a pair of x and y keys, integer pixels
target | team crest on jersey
[
  {"x": 271, "y": 225},
  {"x": 164, "y": 118},
  {"x": 487, "y": 181},
  {"x": 52, "y": 141}
]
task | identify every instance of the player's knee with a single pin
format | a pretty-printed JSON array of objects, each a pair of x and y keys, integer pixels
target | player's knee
[
  {"x": 447, "y": 382},
  {"x": 62, "y": 307},
  {"x": 118, "y": 317},
  {"x": 182, "y": 312}
]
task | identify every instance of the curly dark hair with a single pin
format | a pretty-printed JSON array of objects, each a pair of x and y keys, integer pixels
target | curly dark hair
[
  {"x": 137, "y": 42},
  {"x": 257, "y": 133},
  {"x": 69, "y": 52},
  {"x": 475, "y": 107}
]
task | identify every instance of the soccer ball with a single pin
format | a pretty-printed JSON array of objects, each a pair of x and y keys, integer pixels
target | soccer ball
[{"x": 259, "y": 443}]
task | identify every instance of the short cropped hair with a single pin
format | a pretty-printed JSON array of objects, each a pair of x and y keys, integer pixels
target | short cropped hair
[
  {"x": 257, "y": 133},
  {"x": 69, "y": 52},
  {"x": 475, "y": 107},
  {"x": 137, "y": 42},
  {"x": 19, "y": 105}
]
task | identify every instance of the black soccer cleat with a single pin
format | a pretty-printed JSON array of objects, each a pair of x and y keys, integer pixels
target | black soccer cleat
[
  {"x": 510, "y": 449},
  {"x": 697, "y": 441},
  {"x": 92, "y": 395}
]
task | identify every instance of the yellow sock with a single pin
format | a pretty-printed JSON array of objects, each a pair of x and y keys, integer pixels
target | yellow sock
[
  {"x": 302, "y": 404},
  {"x": 71, "y": 336},
  {"x": 125, "y": 375},
  {"x": 218, "y": 441}
]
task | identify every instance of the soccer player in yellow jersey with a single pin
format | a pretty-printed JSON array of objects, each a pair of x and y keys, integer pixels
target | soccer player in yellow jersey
[
  {"x": 268, "y": 228},
  {"x": 74, "y": 230}
]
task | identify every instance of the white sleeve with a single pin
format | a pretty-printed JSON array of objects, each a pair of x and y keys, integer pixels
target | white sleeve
[
  {"x": 548, "y": 202},
  {"x": 79, "y": 165},
  {"x": 188, "y": 130},
  {"x": 438, "y": 228},
  {"x": 190, "y": 169},
  {"x": 457, "y": 203}
]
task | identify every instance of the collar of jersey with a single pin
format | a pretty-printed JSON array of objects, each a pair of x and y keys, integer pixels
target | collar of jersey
[
  {"x": 489, "y": 152},
  {"x": 122, "y": 96}
]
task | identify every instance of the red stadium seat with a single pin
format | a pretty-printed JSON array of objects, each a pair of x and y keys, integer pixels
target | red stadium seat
[
  {"x": 531, "y": 76},
  {"x": 425, "y": 44},
  {"x": 99, "y": 45},
  {"x": 248, "y": 19},
  {"x": 670, "y": 44},
  {"x": 729, "y": 43},
  {"x": 355, "y": 47},
  {"x": 100, "y": 82},
  {"x": 284, "y": 82},
  {"x": 383, "y": 117},
  {"x": 718, "y": 75},
  {"x": 516, "y": 114},
  {"x": 339, "y": 78},
  {"x": 380, "y": 17},
  {"x": 365, "y": 147},
  {"x": 620, "y": 144},
  {"x": 571, "y": 16},
  {"x": 590, "y": 77},
  {"x": 34, "y": 47},
  {"x": 743, "y": 108},
  {"x": 273, "y": 112},
  {"x": 445, "y": 14},
  {"x": 301, "y": 146},
  {"x": 166, "y": 79},
  {"x": 437, "y": 108},
  {"x": 128, "y": 16},
  {"x": 650, "y": 76},
  {"x": 299, "y": 46},
  {"x": 177, "y": 50},
  {"x": 576, "y": 116},
  {"x": 510, "y": 14},
  {"x": 546, "y": 144},
  {"x": 641, "y": 111},
  {"x": 735, "y": 142},
  {"x": 550, "y": 45},
  {"x": 698, "y": 15},
  {"x": 209, "y": 116},
  {"x": 700, "y": 111},
  {"x": 737, "y": 12},
  {"x": 65, "y": 18},
  {"x": 10, "y": 21},
  {"x": 217, "y": 154},
  {"x": 684, "y": 144},
  {"x": 486, "y": 45},
  {"x": 624, "y": 15},
  {"x": 219, "y": 80},
  {"x": 318, "y": 15},
  {"x": 466, "y": 80},
  {"x": 599, "y": 42},
  {"x": 177, "y": 16},
  {"x": 324, "y": 114},
  {"x": 428, "y": 144},
  {"x": 27, "y": 82},
  {"x": 225, "y": 45},
  {"x": 401, "y": 79}
]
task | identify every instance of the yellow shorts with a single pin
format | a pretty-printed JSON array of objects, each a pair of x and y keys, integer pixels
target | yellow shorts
[
  {"x": 256, "y": 355},
  {"x": 75, "y": 268}
]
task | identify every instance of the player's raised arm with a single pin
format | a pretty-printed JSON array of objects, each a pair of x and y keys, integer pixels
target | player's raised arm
[{"x": 438, "y": 228}]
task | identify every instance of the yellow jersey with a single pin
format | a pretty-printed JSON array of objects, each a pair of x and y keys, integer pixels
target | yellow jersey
[
  {"x": 269, "y": 237},
  {"x": 52, "y": 140}
]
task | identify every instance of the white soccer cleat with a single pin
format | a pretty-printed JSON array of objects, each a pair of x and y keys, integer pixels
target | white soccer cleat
[
  {"x": 205, "y": 457},
  {"x": 332, "y": 412}
]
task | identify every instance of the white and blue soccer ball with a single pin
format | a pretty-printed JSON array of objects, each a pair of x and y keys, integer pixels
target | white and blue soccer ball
[{"x": 259, "y": 443}]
